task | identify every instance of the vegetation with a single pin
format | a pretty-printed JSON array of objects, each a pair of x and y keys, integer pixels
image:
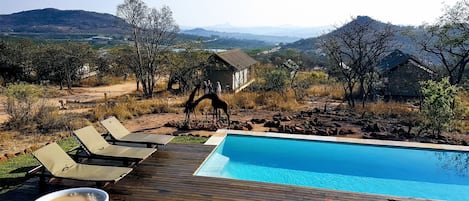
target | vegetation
[
  {"x": 184, "y": 65},
  {"x": 28, "y": 112},
  {"x": 447, "y": 40},
  {"x": 437, "y": 105},
  {"x": 187, "y": 139},
  {"x": 127, "y": 107},
  {"x": 276, "y": 80},
  {"x": 354, "y": 53},
  {"x": 153, "y": 33}
]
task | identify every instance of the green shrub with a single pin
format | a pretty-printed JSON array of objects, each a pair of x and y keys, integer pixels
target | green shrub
[
  {"x": 22, "y": 101},
  {"x": 276, "y": 80},
  {"x": 29, "y": 112},
  {"x": 437, "y": 105}
]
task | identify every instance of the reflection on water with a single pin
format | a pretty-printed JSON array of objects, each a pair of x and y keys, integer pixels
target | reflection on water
[{"x": 457, "y": 162}]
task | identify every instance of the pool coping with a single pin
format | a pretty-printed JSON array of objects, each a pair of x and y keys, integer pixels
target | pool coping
[{"x": 220, "y": 134}]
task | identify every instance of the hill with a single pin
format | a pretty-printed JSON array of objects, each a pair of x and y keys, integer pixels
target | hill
[
  {"x": 54, "y": 24},
  {"x": 401, "y": 40},
  {"x": 241, "y": 36},
  {"x": 52, "y": 20}
]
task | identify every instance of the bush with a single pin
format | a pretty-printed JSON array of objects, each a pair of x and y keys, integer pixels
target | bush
[
  {"x": 437, "y": 105},
  {"x": 319, "y": 77},
  {"x": 301, "y": 83},
  {"x": 276, "y": 80},
  {"x": 28, "y": 112},
  {"x": 21, "y": 104}
]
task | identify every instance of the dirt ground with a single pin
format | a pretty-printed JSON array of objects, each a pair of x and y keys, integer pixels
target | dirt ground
[{"x": 79, "y": 94}]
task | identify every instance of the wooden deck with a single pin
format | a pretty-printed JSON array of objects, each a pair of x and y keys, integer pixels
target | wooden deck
[{"x": 167, "y": 175}]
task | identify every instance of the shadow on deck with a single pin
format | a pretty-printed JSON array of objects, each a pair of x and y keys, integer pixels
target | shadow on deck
[{"x": 168, "y": 175}]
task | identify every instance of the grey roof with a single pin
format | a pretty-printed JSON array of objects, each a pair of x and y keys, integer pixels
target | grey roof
[
  {"x": 237, "y": 59},
  {"x": 397, "y": 58}
]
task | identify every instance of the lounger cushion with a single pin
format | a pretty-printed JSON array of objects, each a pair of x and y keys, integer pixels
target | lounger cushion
[
  {"x": 120, "y": 133},
  {"x": 98, "y": 146},
  {"x": 59, "y": 164}
]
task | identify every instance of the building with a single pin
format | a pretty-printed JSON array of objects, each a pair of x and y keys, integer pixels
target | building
[
  {"x": 231, "y": 68},
  {"x": 401, "y": 73}
]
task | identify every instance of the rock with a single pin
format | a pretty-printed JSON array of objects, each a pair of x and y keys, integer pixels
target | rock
[
  {"x": 299, "y": 130},
  {"x": 249, "y": 125},
  {"x": 9, "y": 155},
  {"x": 171, "y": 124},
  {"x": 274, "y": 124},
  {"x": 274, "y": 130},
  {"x": 35, "y": 147},
  {"x": 464, "y": 143},
  {"x": 258, "y": 121},
  {"x": 372, "y": 128},
  {"x": 322, "y": 132},
  {"x": 3, "y": 159},
  {"x": 27, "y": 150},
  {"x": 316, "y": 110},
  {"x": 286, "y": 118}
]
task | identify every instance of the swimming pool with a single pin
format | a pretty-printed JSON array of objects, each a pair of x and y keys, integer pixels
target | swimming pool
[{"x": 396, "y": 171}]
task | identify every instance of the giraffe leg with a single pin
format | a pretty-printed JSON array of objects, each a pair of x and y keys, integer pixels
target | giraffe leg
[{"x": 227, "y": 116}]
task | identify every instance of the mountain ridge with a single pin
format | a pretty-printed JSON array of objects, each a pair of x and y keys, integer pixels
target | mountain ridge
[
  {"x": 61, "y": 21},
  {"x": 244, "y": 36}
]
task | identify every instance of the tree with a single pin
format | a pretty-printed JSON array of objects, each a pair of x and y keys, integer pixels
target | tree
[
  {"x": 354, "y": 51},
  {"x": 437, "y": 111},
  {"x": 15, "y": 60},
  {"x": 448, "y": 40},
  {"x": 62, "y": 63},
  {"x": 183, "y": 66},
  {"x": 153, "y": 32}
]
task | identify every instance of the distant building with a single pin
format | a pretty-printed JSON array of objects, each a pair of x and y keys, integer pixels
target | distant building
[
  {"x": 401, "y": 73},
  {"x": 231, "y": 68}
]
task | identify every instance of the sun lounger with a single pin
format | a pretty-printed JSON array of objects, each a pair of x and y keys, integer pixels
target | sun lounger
[
  {"x": 120, "y": 134},
  {"x": 97, "y": 147},
  {"x": 60, "y": 165}
]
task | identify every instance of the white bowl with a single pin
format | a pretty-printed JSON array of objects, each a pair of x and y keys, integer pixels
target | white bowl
[{"x": 57, "y": 194}]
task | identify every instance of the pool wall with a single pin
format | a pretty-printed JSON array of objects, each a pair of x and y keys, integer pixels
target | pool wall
[{"x": 218, "y": 137}]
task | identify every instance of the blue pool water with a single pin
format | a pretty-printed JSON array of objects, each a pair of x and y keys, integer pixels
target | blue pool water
[{"x": 419, "y": 173}]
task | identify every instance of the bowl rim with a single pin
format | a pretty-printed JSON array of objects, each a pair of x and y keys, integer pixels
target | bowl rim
[{"x": 56, "y": 194}]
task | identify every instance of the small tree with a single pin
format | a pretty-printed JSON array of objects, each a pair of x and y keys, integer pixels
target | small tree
[
  {"x": 437, "y": 111},
  {"x": 354, "y": 51},
  {"x": 29, "y": 112},
  {"x": 276, "y": 80}
]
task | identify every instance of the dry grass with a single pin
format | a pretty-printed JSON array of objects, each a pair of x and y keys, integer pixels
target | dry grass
[
  {"x": 333, "y": 90},
  {"x": 278, "y": 102},
  {"x": 391, "y": 109},
  {"x": 242, "y": 100},
  {"x": 126, "y": 107},
  {"x": 254, "y": 101},
  {"x": 106, "y": 80}
]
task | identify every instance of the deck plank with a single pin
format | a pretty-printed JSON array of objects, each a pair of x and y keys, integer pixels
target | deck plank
[{"x": 168, "y": 175}]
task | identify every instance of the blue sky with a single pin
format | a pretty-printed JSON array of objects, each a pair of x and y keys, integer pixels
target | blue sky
[{"x": 247, "y": 13}]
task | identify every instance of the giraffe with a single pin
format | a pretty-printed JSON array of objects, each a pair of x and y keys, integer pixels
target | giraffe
[
  {"x": 188, "y": 106},
  {"x": 217, "y": 103}
]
